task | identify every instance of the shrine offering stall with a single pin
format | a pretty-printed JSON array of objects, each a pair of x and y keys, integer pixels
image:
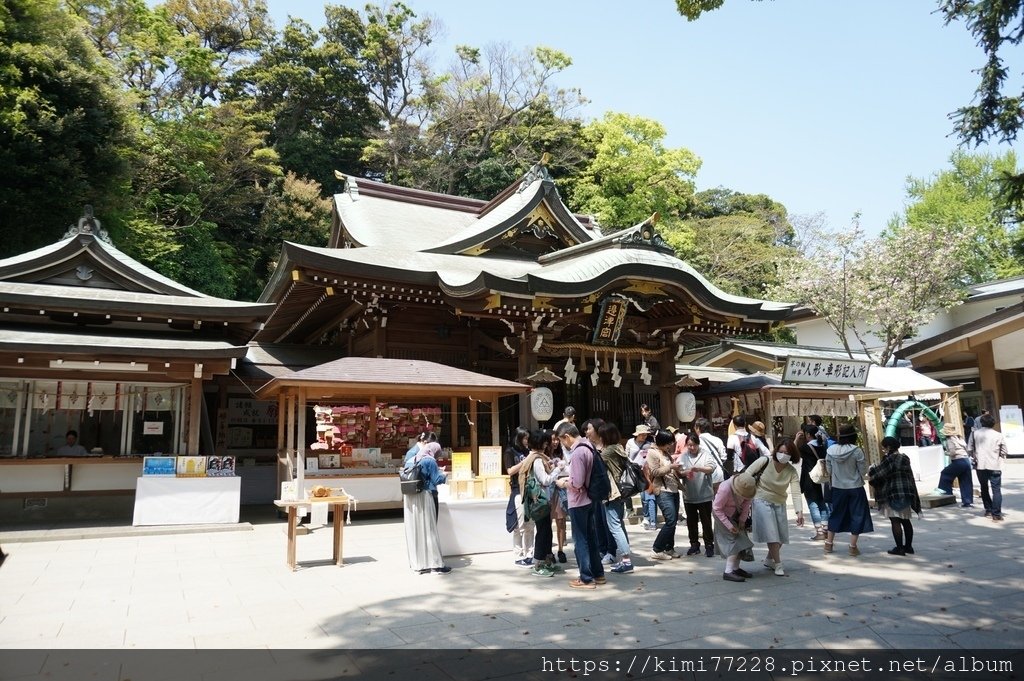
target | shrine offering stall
[
  {"x": 870, "y": 399},
  {"x": 347, "y": 424}
]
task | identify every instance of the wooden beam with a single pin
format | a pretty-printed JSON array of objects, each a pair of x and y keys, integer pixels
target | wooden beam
[
  {"x": 195, "y": 405},
  {"x": 978, "y": 339},
  {"x": 934, "y": 356},
  {"x": 474, "y": 445}
]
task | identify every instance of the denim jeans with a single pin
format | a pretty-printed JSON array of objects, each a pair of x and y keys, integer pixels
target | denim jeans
[
  {"x": 994, "y": 501},
  {"x": 668, "y": 502},
  {"x": 647, "y": 503},
  {"x": 615, "y": 511},
  {"x": 819, "y": 512},
  {"x": 584, "y": 542},
  {"x": 959, "y": 469}
]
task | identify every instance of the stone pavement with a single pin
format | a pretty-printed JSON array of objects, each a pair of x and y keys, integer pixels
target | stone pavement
[{"x": 963, "y": 590}]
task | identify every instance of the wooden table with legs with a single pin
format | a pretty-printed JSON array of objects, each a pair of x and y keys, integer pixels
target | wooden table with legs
[{"x": 338, "y": 506}]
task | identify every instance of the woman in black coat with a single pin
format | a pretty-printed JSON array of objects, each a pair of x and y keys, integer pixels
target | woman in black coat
[{"x": 814, "y": 494}]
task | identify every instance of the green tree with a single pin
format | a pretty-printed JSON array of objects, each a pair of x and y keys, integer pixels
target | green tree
[
  {"x": 968, "y": 195},
  {"x": 494, "y": 113},
  {"x": 305, "y": 91},
  {"x": 632, "y": 174},
  {"x": 154, "y": 61},
  {"x": 201, "y": 183},
  {"x": 63, "y": 125},
  {"x": 993, "y": 114}
]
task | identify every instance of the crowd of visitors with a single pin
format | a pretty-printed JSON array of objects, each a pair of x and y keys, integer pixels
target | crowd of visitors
[{"x": 732, "y": 495}]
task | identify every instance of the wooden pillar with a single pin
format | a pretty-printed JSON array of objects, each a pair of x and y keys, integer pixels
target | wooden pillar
[
  {"x": 300, "y": 455},
  {"x": 380, "y": 341},
  {"x": 495, "y": 424},
  {"x": 989, "y": 379},
  {"x": 666, "y": 391},
  {"x": 372, "y": 442},
  {"x": 473, "y": 444},
  {"x": 195, "y": 404},
  {"x": 455, "y": 424},
  {"x": 527, "y": 365},
  {"x": 283, "y": 472},
  {"x": 290, "y": 438}
]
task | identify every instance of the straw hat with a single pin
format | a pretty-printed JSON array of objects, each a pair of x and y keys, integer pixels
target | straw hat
[
  {"x": 757, "y": 428},
  {"x": 642, "y": 429},
  {"x": 744, "y": 485},
  {"x": 949, "y": 429}
]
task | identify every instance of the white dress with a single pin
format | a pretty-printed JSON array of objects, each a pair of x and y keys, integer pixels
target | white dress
[{"x": 421, "y": 538}]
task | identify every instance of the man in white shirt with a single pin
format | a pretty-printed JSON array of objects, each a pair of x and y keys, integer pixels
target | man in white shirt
[
  {"x": 637, "y": 443},
  {"x": 715, "y": 449},
  {"x": 735, "y": 443}
]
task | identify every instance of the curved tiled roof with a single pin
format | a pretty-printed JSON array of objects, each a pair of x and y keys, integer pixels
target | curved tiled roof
[
  {"x": 376, "y": 371},
  {"x": 587, "y": 272},
  {"x": 104, "y": 253},
  {"x": 381, "y": 215}
]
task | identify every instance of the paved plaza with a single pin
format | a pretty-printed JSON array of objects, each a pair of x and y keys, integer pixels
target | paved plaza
[{"x": 231, "y": 589}]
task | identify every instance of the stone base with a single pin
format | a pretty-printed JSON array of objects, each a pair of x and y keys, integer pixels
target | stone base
[{"x": 935, "y": 500}]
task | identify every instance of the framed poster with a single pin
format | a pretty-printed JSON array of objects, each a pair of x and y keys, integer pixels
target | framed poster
[
  {"x": 191, "y": 466},
  {"x": 490, "y": 460},
  {"x": 1011, "y": 423},
  {"x": 158, "y": 465},
  {"x": 220, "y": 466},
  {"x": 462, "y": 466},
  {"x": 329, "y": 460}
]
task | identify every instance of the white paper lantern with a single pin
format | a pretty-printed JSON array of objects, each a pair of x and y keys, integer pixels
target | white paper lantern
[
  {"x": 542, "y": 403},
  {"x": 686, "y": 407}
]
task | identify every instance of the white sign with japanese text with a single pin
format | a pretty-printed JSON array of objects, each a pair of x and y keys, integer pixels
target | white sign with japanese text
[{"x": 810, "y": 370}]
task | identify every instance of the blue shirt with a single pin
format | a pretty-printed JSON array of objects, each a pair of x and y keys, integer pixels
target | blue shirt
[
  {"x": 431, "y": 474},
  {"x": 410, "y": 454}
]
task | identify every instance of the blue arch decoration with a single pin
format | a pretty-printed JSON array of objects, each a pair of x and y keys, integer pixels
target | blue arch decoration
[{"x": 894, "y": 420}]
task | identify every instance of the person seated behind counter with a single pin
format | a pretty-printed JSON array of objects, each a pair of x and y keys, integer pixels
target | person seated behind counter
[{"x": 71, "y": 447}]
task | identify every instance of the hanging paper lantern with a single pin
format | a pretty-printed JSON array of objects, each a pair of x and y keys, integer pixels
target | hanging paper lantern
[
  {"x": 542, "y": 403},
  {"x": 686, "y": 407}
]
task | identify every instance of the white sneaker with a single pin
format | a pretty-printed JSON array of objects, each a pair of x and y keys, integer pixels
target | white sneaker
[
  {"x": 672, "y": 553},
  {"x": 648, "y": 526},
  {"x": 658, "y": 555},
  {"x": 769, "y": 563},
  {"x": 779, "y": 572},
  {"x": 608, "y": 559}
]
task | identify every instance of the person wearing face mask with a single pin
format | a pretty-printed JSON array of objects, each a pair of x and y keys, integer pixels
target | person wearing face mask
[{"x": 771, "y": 526}]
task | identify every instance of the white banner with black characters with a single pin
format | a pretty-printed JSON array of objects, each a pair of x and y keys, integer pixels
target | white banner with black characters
[{"x": 809, "y": 370}]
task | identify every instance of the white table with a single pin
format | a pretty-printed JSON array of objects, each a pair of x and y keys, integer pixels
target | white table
[
  {"x": 926, "y": 462},
  {"x": 187, "y": 501},
  {"x": 473, "y": 526}
]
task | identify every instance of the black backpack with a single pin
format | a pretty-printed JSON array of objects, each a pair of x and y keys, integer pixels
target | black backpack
[
  {"x": 632, "y": 481},
  {"x": 599, "y": 487}
]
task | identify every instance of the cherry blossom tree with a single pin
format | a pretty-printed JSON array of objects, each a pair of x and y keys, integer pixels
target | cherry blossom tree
[{"x": 875, "y": 293}]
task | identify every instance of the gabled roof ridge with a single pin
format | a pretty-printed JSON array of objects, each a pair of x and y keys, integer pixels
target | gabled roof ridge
[
  {"x": 368, "y": 187},
  {"x": 596, "y": 244},
  {"x": 88, "y": 237}
]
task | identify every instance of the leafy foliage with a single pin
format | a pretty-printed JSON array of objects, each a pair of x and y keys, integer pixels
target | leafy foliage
[
  {"x": 876, "y": 293},
  {"x": 632, "y": 174},
  {"x": 966, "y": 198},
  {"x": 63, "y": 129}
]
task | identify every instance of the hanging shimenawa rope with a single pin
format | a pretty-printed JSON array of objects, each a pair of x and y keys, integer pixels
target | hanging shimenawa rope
[{"x": 647, "y": 352}]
